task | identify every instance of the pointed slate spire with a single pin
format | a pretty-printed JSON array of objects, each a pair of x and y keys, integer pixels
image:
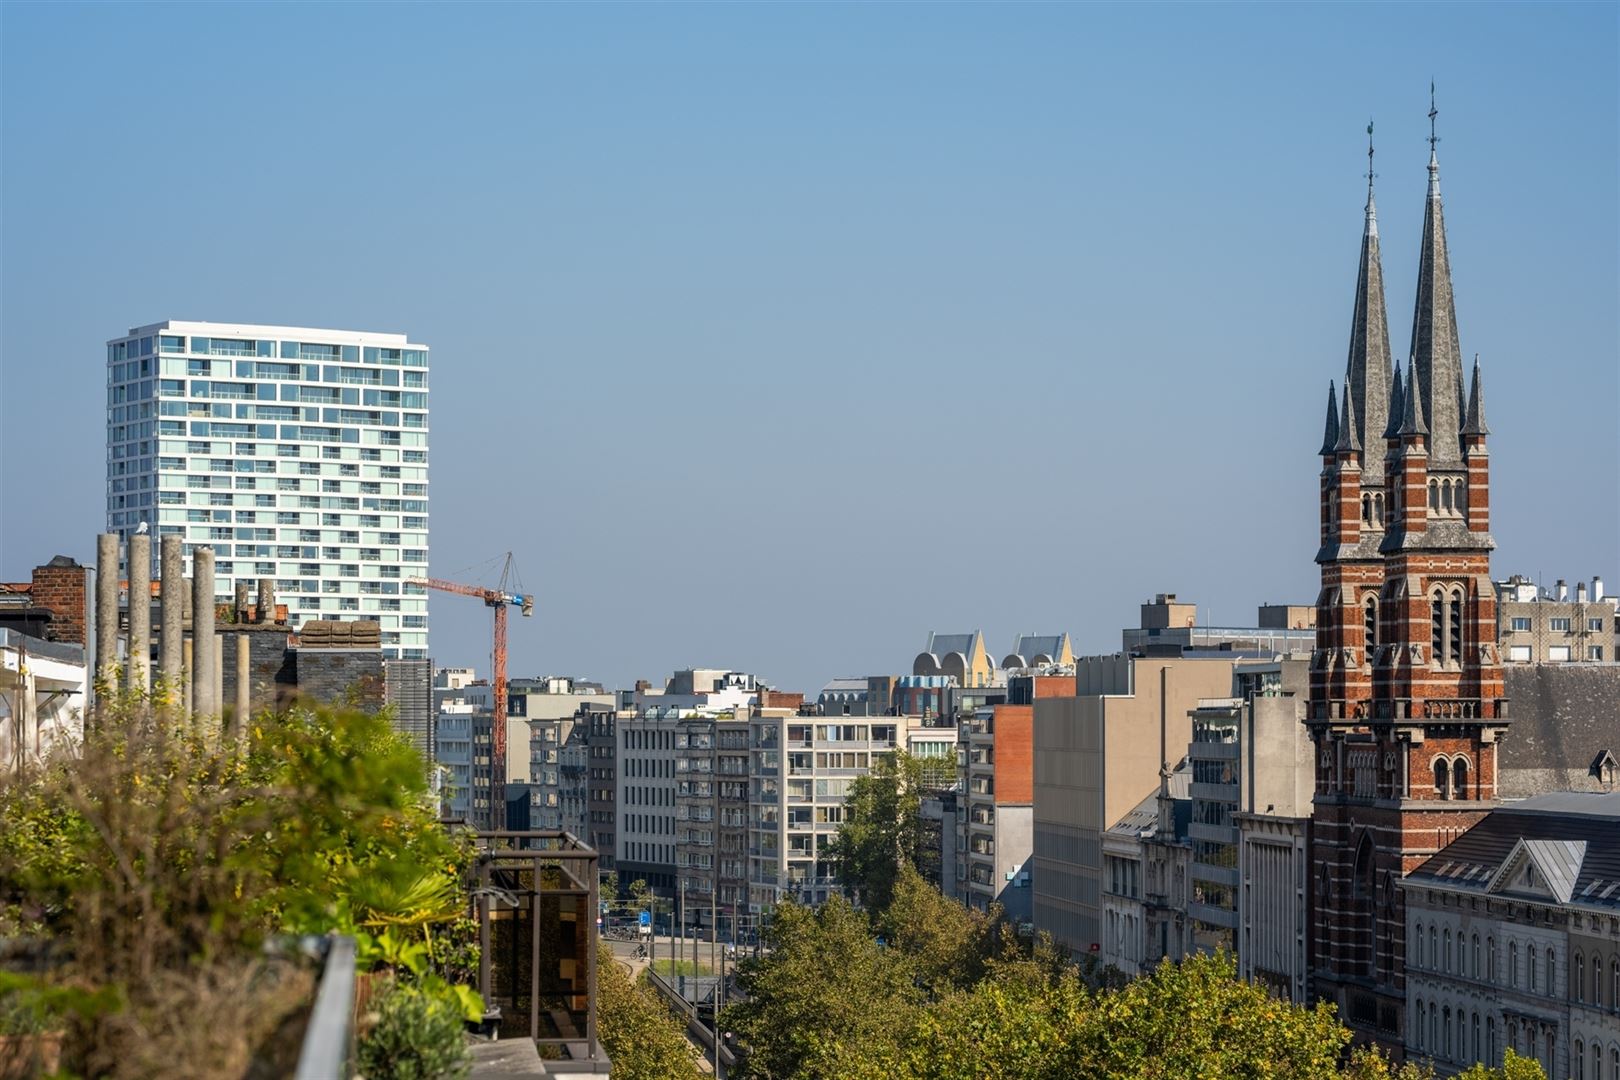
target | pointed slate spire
[
  {"x": 1397, "y": 406},
  {"x": 1475, "y": 423},
  {"x": 1412, "y": 404},
  {"x": 1434, "y": 325},
  {"x": 1348, "y": 439},
  {"x": 1367, "y": 381},
  {"x": 1330, "y": 436}
]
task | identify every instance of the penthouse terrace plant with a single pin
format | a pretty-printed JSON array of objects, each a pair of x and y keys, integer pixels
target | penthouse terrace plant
[{"x": 156, "y": 860}]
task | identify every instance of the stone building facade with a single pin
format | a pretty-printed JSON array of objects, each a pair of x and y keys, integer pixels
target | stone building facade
[
  {"x": 1406, "y": 696},
  {"x": 1514, "y": 940}
]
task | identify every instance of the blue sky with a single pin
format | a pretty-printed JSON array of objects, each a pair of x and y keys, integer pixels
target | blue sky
[{"x": 774, "y": 336}]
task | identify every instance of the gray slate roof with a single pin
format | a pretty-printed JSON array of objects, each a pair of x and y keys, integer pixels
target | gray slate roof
[
  {"x": 1573, "y": 838},
  {"x": 1563, "y": 717}
]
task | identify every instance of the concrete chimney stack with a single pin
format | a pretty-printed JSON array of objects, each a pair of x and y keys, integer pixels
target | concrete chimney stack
[
  {"x": 171, "y": 612},
  {"x": 1597, "y": 589},
  {"x": 204, "y": 658},
  {"x": 1560, "y": 591},
  {"x": 1580, "y": 592},
  {"x": 267, "y": 600},
  {"x": 140, "y": 612},
  {"x": 106, "y": 606}
]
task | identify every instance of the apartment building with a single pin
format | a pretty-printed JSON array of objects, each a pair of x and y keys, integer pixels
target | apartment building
[
  {"x": 543, "y": 716},
  {"x": 1555, "y": 627},
  {"x": 601, "y": 749},
  {"x": 297, "y": 454},
  {"x": 711, "y": 816},
  {"x": 996, "y": 801}
]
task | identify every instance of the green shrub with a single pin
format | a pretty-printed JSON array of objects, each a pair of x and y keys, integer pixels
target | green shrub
[{"x": 417, "y": 1036}]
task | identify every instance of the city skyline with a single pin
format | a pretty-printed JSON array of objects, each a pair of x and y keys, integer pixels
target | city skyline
[{"x": 787, "y": 493}]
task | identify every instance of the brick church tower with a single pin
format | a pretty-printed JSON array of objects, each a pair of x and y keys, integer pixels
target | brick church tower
[{"x": 1406, "y": 686}]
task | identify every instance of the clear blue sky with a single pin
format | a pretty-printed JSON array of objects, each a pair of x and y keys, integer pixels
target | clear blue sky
[{"x": 775, "y": 336}]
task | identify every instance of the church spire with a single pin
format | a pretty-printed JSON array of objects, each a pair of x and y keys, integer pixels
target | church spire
[
  {"x": 1397, "y": 406},
  {"x": 1474, "y": 424},
  {"x": 1412, "y": 404},
  {"x": 1366, "y": 382},
  {"x": 1348, "y": 440},
  {"x": 1434, "y": 324},
  {"x": 1330, "y": 435}
]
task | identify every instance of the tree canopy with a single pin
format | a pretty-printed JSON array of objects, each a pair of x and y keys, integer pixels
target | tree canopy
[{"x": 882, "y": 829}]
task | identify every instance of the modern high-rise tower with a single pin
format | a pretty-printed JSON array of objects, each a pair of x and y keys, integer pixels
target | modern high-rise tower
[
  {"x": 1406, "y": 699},
  {"x": 296, "y": 454}
]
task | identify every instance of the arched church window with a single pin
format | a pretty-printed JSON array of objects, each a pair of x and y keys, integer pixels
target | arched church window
[
  {"x": 1459, "y": 784},
  {"x": 1370, "y": 622},
  {"x": 1378, "y": 509},
  {"x": 1434, "y": 495},
  {"x": 1446, "y": 504},
  {"x": 1442, "y": 789},
  {"x": 1366, "y": 508}
]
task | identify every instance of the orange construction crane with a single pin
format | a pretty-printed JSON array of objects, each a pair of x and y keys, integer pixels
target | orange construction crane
[{"x": 498, "y": 599}]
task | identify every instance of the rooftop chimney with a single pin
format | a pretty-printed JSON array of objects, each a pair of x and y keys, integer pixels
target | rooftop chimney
[
  {"x": 1597, "y": 589},
  {"x": 1561, "y": 590},
  {"x": 1580, "y": 592}
]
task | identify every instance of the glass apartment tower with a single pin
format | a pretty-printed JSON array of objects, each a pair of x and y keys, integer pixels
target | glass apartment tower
[{"x": 296, "y": 454}]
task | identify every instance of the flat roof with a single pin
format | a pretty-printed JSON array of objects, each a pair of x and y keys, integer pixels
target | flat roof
[{"x": 258, "y": 330}]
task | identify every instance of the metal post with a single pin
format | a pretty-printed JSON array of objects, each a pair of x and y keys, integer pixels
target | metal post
[
  {"x": 483, "y": 934},
  {"x": 534, "y": 952},
  {"x": 590, "y": 969},
  {"x": 140, "y": 613}
]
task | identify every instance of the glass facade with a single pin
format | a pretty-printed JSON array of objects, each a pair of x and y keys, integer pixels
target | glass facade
[{"x": 294, "y": 458}]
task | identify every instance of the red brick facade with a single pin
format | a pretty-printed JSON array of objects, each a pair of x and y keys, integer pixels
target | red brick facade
[{"x": 1406, "y": 686}]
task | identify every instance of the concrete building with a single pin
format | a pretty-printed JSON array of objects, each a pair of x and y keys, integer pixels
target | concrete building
[
  {"x": 601, "y": 747},
  {"x": 44, "y": 686},
  {"x": 1170, "y": 627},
  {"x": 802, "y": 771},
  {"x": 1097, "y": 755},
  {"x": 997, "y": 799},
  {"x": 408, "y": 690},
  {"x": 1536, "y": 627},
  {"x": 711, "y": 816},
  {"x": 1513, "y": 934},
  {"x": 1250, "y": 758},
  {"x": 298, "y": 454},
  {"x": 1146, "y": 859},
  {"x": 543, "y": 715}
]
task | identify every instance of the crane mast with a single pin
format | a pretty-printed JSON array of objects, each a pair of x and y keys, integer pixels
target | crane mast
[{"x": 498, "y": 600}]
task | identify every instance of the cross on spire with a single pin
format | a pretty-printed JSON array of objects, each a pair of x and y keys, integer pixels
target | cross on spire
[
  {"x": 1370, "y": 173},
  {"x": 1433, "y": 112}
]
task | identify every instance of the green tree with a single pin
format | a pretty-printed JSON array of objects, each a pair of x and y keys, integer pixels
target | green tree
[
  {"x": 946, "y": 945},
  {"x": 642, "y": 1037},
  {"x": 882, "y": 828},
  {"x": 822, "y": 997},
  {"x": 1197, "y": 1018},
  {"x": 1513, "y": 1067},
  {"x": 640, "y": 892}
]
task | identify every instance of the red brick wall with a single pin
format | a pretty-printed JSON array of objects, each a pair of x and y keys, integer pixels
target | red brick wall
[
  {"x": 62, "y": 589},
  {"x": 1015, "y": 744}
]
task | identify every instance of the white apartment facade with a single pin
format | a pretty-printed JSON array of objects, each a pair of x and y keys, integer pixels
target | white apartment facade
[{"x": 297, "y": 454}]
